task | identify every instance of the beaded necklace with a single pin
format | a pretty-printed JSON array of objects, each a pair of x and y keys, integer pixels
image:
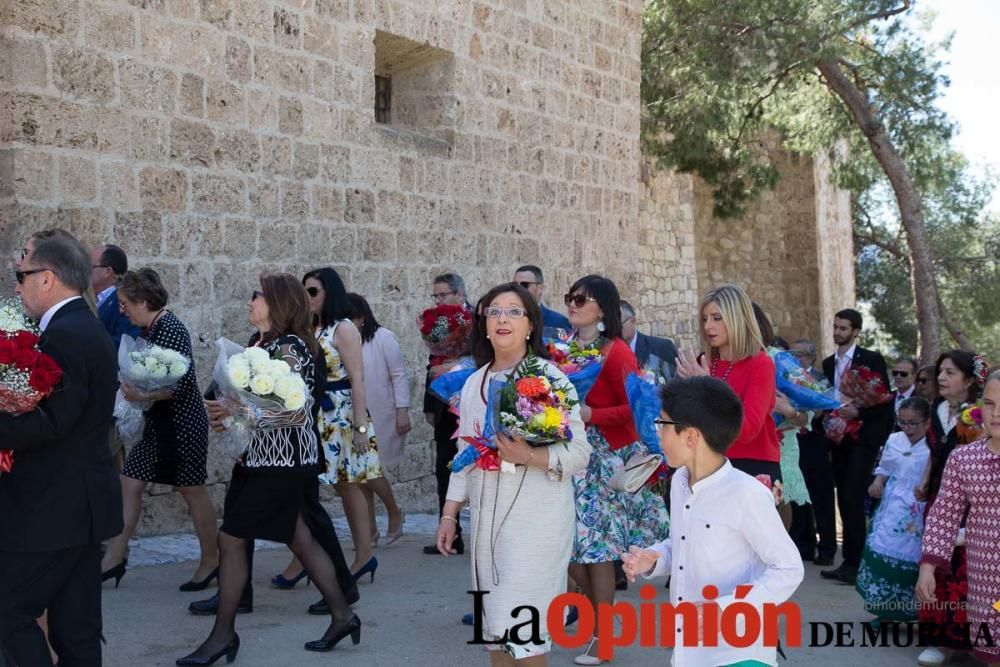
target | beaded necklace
[{"x": 715, "y": 364}]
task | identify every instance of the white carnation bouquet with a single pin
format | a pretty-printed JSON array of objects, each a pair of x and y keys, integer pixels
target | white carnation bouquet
[
  {"x": 13, "y": 317},
  {"x": 148, "y": 368},
  {"x": 269, "y": 393}
]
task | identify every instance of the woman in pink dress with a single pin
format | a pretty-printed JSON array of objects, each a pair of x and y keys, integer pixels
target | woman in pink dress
[{"x": 969, "y": 488}]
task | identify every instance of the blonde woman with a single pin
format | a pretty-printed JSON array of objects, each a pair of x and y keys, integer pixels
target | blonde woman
[{"x": 734, "y": 352}]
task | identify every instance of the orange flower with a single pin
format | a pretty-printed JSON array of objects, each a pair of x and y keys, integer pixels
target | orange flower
[{"x": 532, "y": 387}]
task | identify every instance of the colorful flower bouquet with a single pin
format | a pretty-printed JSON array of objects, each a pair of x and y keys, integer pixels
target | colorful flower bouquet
[
  {"x": 530, "y": 404},
  {"x": 27, "y": 375},
  {"x": 804, "y": 391},
  {"x": 970, "y": 422},
  {"x": 446, "y": 330},
  {"x": 865, "y": 388},
  {"x": 581, "y": 364}
]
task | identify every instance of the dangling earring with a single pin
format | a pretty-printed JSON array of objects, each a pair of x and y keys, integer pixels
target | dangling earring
[
  {"x": 487, "y": 336},
  {"x": 600, "y": 326}
]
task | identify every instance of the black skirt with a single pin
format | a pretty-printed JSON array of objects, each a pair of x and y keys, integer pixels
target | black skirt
[
  {"x": 767, "y": 472},
  {"x": 265, "y": 504}
]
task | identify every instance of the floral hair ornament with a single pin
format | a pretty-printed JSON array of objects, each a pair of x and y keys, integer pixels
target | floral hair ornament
[{"x": 980, "y": 370}]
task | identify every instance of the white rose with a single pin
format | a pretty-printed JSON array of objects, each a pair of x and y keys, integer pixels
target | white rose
[
  {"x": 285, "y": 385},
  {"x": 171, "y": 357},
  {"x": 257, "y": 357},
  {"x": 277, "y": 368},
  {"x": 178, "y": 369},
  {"x": 239, "y": 375},
  {"x": 262, "y": 385},
  {"x": 139, "y": 373},
  {"x": 159, "y": 372},
  {"x": 296, "y": 398}
]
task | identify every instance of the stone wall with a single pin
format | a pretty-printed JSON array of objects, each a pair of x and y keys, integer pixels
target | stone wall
[{"x": 216, "y": 139}]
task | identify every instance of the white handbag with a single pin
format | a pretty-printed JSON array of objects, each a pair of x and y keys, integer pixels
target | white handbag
[{"x": 631, "y": 476}]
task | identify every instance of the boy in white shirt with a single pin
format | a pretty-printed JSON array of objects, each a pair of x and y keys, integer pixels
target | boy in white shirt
[{"x": 724, "y": 529}]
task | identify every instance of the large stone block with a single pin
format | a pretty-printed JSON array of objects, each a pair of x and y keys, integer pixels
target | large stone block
[
  {"x": 140, "y": 234},
  {"x": 281, "y": 70},
  {"x": 147, "y": 87},
  {"x": 77, "y": 180},
  {"x": 278, "y": 241},
  {"x": 253, "y": 19},
  {"x": 276, "y": 156},
  {"x": 192, "y": 143},
  {"x": 238, "y": 60},
  {"x": 294, "y": 200},
  {"x": 33, "y": 174},
  {"x": 55, "y": 19},
  {"x": 148, "y": 139},
  {"x": 263, "y": 194},
  {"x": 118, "y": 188},
  {"x": 327, "y": 202},
  {"x": 287, "y": 28},
  {"x": 225, "y": 103},
  {"x": 360, "y": 207},
  {"x": 108, "y": 27},
  {"x": 192, "y": 236},
  {"x": 192, "y": 99},
  {"x": 198, "y": 47},
  {"x": 83, "y": 74},
  {"x": 290, "y": 116},
  {"x": 25, "y": 63},
  {"x": 217, "y": 194},
  {"x": 237, "y": 149},
  {"x": 163, "y": 189},
  {"x": 306, "y": 160},
  {"x": 239, "y": 240}
]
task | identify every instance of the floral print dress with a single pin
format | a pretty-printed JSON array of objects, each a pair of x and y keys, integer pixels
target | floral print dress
[{"x": 336, "y": 422}]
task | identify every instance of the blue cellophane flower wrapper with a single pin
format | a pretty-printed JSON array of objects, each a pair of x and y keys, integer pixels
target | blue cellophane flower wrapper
[
  {"x": 491, "y": 426},
  {"x": 584, "y": 379},
  {"x": 644, "y": 401},
  {"x": 448, "y": 386},
  {"x": 802, "y": 398}
]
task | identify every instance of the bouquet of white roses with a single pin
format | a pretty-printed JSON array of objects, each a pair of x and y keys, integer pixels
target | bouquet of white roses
[
  {"x": 148, "y": 368},
  {"x": 270, "y": 393}
]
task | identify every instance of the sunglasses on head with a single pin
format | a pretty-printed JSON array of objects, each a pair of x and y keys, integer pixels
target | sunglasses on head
[
  {"x": 256, "y": 294},
  {"x": 21, "y": 275},
  {"x": 312, "y": 291},
  {"x": 578, "y": 300}
]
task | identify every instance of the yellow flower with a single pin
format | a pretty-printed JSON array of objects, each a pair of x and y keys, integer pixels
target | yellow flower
[{"x": 553, "y": 418}]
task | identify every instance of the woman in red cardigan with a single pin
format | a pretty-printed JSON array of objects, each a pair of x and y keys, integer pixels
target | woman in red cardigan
[
  {"x": 607, "y": 521},
  {"x": 734, "y": 352}
]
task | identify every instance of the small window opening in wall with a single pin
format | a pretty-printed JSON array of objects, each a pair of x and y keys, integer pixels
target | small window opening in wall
[{"x": 383, "y": 99}]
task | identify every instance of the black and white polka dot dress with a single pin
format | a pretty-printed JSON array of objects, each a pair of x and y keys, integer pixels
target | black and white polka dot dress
[{"x": 174, "y": 445}]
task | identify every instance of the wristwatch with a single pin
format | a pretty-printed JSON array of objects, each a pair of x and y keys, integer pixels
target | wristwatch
[{"x": 361, "y": 429}]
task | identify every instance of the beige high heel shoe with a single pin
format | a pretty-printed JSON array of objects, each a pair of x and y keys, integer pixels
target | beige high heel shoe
[{"x": 395, "y": 535}]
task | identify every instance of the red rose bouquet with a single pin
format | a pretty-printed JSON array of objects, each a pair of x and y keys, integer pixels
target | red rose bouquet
[
  {"x": 27, "y": 375},
  {"x": 446, "y": 330},
  {"x": 865, "y": 389}
]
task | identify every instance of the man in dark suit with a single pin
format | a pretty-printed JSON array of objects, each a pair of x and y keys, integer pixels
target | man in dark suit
[
  {"x": 108, "y": 264},
  {"x": 62, "y": 496},
  {"x": 646, "y": 347},
  {"x": 530, "y": 278},
  {"x": 853, "y": 459}
]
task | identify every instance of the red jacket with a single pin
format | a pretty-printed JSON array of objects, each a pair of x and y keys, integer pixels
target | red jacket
[
  {"x": 753, "y": 380},
  {"x": 609, "y": 409}
]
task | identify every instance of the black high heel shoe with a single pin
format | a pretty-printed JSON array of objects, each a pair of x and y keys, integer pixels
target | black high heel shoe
[
  {"x": 200, "y": 585},
  {"x": 370, "y": 566},
  {"x": 229, "y": 650},
  {"x": 116, "y": 573},
  {"x": 352, "y": 628}
]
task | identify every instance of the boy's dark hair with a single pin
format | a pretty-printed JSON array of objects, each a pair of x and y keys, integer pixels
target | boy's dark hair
[
  {"x": 707, "y": 404},
  {"x": 852, "y": 316}
]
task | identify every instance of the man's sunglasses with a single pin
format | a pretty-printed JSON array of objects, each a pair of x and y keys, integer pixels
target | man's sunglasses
[
  {"x": 900, "y": 374},
  {"x": 526, "y": 284},
  {"x": 578, "y": 300},
  {"x": 21, "y": 275}
]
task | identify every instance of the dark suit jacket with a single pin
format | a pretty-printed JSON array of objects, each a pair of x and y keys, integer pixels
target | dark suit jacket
[
  {"x": 664, "y": 348},
  {"x": 63, "y": 491},
  {"x": 555, "y": 320},
  {"x": 114, "y": 321},
  {"x": 877, "y": 420}
]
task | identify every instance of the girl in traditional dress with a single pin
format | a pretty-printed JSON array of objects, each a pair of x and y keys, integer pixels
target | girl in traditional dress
[
  {"x": 888, "y": 569},
  {"x": 969, "y": 491},
  {"x": 522, "y": 522}
]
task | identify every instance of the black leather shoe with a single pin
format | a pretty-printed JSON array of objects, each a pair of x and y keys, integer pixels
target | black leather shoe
[
  {"x": 823, "y": 561},
  {"x": 843, "y": 574},
  {"x": 321, "y": 609},
  {"x": 352, "y": 628},
  {"x": 210, "y": 606},
  {"x": 229, "y": 650}
]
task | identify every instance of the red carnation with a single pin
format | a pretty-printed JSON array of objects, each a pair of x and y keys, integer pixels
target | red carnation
[
  {"x": 46, "y": 374},
  {"x": 7, "y": 349},
  {"x": 26, "y": 357}
]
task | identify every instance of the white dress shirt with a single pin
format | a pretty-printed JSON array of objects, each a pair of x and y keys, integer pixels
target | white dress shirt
[
  {"x": 47, "y": 317},
  {"x": 632, "y": 342},
  {"x": 841, "y": 364},
  {"x": 725, "y": 531},
  {"x": 104, "y": 294}
]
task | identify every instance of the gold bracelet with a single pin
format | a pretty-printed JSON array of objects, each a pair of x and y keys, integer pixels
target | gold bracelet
[
  {"x": 445, "y": 517},
  {"x": 531, "y": 454}
]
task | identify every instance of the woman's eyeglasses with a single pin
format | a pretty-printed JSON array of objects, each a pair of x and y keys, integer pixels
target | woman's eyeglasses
[
  {"x": 256, "y": 294},
  {"x": 513, "y": 312},
  {"x": 901, "y": 424},
  {"x": 441, "y": 296},
  {"x": 578, "y": 300},
  {"x": 312, "y": 291}
]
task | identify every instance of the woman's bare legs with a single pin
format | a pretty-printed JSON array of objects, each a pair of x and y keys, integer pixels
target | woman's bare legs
[
  {"x": 380, "y": 487},
  {"x": 203, "y": 516},
  {"x": 597, "y": 582},
  {"x": 132, "y": 490},
  {"x": 356, "y": 510}
]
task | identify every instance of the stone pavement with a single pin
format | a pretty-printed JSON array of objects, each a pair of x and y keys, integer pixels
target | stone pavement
[{"x": 411, "y": 614}]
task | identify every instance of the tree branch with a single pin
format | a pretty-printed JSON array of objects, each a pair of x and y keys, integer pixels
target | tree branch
[
  {"x": 955, "y": 332},
  {"x": 889, "y": 13}
]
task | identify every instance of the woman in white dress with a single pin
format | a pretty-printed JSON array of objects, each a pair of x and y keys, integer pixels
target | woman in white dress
[{"x": 523, "y": 523}]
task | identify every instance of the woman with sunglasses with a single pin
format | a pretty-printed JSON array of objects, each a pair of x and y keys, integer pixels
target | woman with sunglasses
[
  {"x": 522, "y": 522},
  {"x": 733, "y": 350},
  {"x": 926, "y": 384},
  {"x": 345, "y": 428},
  {"x": 960, "y": 378},
  {"x": 608, "y": 521},
  {"x": 174, "y": 445},
  {"x": 273, "y": 492}
]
